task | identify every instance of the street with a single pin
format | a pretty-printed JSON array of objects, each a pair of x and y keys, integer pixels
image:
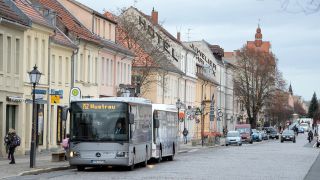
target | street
[{"x": 261, "y": 160}]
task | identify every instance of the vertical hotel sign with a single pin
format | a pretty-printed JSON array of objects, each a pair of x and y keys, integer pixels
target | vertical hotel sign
[{"x": 59, "y": 125}]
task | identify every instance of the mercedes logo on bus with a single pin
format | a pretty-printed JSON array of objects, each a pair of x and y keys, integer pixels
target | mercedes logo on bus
[{"x": 98, "y": 154}]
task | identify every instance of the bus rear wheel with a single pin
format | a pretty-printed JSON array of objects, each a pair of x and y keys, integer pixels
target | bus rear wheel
[
  {"x": 170, "y": 158},
  {"x": 81, "y": 168},
  {"x": 160, "y": 156}
]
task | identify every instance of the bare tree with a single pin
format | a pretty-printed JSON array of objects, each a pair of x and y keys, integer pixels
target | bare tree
[
  {"x": 255, "y": 80},
  {"x": 305, "y": 6},
  {"x": 278, "y": 108},
  {"x": 151, "y": 61},
  {"x": 298, "y": 108}
]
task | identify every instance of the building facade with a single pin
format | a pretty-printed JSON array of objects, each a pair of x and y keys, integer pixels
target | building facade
[{"x": 13, "y": 25}]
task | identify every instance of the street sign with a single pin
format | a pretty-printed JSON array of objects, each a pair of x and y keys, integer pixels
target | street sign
[
  {"x": 55, "y": 99},
  {"x": 75, "y": 94}
]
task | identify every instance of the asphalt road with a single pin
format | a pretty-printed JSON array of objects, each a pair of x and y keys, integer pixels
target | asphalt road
[{"x": 269, "y": 160}]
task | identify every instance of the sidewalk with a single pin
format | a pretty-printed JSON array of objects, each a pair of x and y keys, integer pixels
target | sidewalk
[
  {"x": 188, "y": 147},
  {"x": 43, "y": 164}
]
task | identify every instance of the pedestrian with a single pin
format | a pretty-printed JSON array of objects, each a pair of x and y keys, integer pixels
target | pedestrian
[
  {"x": 13, "y": 142},
  {"x": 65, "y": 145},
  {"x": 6, "y": 143}
]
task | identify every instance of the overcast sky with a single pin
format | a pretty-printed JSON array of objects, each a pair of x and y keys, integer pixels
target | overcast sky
[{"x": 295, "y": 37}]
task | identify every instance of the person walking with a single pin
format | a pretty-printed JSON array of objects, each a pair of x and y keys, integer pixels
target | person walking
[
  {"x": 65, "y": 145},
  {"x": 13, "y": 142}
]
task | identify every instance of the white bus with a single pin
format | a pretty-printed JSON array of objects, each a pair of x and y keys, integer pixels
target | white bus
[
  {"x": 164, "y": 131},
  {"x": 113, "y": 131}
]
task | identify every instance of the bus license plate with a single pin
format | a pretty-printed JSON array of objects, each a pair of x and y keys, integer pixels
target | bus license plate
[{"x": 97, "y": 161}]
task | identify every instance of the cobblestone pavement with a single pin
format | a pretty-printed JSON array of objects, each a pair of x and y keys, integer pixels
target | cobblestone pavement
[{"x": 270, "y": 160}]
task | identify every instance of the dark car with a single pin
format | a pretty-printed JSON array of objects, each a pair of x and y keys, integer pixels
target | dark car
[
  {"x": 288, "y": 135},
  {"x": 272, "y": 133}
]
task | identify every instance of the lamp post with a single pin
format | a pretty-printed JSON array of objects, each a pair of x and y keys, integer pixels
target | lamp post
[
  {"x": 202, "y": 121},
  {"x": 34, "y": 76},
  {"x": 178, "y": 105}
]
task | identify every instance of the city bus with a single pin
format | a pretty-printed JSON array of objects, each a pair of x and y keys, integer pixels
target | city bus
[
  {"x": 164, "y": 131},
  {"x": 115, "y": 131}
]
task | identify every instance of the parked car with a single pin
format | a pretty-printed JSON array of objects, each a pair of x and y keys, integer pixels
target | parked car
[
  {"x": 256, "y": 135},
  {"x": 288, "y": 135},
  {"x": 305, "y": 126},
  {"x": 318, "y": 141},
  {"x": 233, "y": 137},
  {"x": 264, "y": 135},
  {"x": 300, "y": 129},
  {"x": 245, "y": 132},
  {"x": 272, "y": 133}
]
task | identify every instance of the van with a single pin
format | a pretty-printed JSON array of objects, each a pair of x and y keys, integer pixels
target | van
[{"x": 245, "y": 132}]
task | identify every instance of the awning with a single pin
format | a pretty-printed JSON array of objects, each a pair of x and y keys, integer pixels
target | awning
[{"x": 15, "y": 99}]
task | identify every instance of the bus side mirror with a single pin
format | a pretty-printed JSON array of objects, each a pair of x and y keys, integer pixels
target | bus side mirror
[
  {"x": 156, "y": 123},
  {"x": 64, "y": 114},
  {"x": 131, "y": 118}
]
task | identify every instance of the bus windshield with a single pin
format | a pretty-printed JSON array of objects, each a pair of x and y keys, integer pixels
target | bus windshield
[{"x": 99, "y": 121}]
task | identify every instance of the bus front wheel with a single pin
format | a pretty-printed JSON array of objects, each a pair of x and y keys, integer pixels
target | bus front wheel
[{"x": 80, "y": 168}]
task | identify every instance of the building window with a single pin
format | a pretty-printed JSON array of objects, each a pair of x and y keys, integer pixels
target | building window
[
  {"x": 36, "y": 50},
  {"x": 125, "y": 73},
  {"x": 112, "y": 72},
  {"x": 28, "y": 53},
  {"x": 129, "y": 74},
  {"x": 43, "y": 61},
  {"x": 17, "y": 57},
  {"x": 53, "y": 68},
  {"x": 104, "y": 29},
  {"x": 110, "y": 31},
  {"x": 103, "y": 71},
  {"x": 118, "y": 73},
  {"x": 67, "y": 70},
  {"x": 9, "y": 55},
  {"x": 108, "y": 73},
  {"x": 75, "y": 65},
  {"x": 60, "y": 69},
  {"x": 1, "y": 52},
  {"x": 82, "y": 68},
  {"x": 89, "y": 69},
  {"x": 96, "y": 71}
]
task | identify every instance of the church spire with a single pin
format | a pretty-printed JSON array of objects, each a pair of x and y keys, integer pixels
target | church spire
[
  {"x": 258, "y": 36},
  {"x": 290, "y": 89}
]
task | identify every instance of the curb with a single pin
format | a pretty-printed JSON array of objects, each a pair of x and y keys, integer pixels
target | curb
[{"x": 46, "y": 170}]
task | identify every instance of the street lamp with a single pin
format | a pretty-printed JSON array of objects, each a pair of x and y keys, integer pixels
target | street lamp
[
  {"x": 203, "y": 105},
  {"x": 34, "y": 76}
]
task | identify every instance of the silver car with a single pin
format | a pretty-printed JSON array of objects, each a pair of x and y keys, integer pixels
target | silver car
[{"x": 233, "y": 137}]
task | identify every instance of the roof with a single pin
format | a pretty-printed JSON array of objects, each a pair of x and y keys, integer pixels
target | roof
[
  {"x": 69, "y": 21},
  {"x": 117, "y": 47},
  {"x": 9, "y": 11},
  {"x": 265, "y": 46},
  {"x": 163, "y": 30},
  {"x": 26, "y": 7},
  {"x": 62, "y": 39}
]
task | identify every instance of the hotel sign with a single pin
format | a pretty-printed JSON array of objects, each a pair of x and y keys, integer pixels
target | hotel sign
[
  {"x": 202, "y": 58},
  {"x": 160, "y": 40}
]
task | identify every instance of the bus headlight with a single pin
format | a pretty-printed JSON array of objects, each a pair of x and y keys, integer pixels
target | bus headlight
[
  {"x": 74, "y": 154},
  {"x": 122, "y": 154}
]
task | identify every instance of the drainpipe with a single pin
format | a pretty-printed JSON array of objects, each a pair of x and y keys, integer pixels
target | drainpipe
[
  {"x": 74, "y": 53},
  {"x": 48, "y": 95}
]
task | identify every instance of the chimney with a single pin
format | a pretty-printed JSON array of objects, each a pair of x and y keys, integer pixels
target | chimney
[
  {"x": 178, "y": 36},
  {"x": 154, "y": 16}
]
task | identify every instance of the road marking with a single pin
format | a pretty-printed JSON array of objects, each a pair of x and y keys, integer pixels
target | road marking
[
  {"x": 193, "y": 150},
  {"x": 315, "y": 144}
]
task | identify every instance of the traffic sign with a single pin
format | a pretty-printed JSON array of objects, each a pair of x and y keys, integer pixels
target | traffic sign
[{"x": 55, "y": 99}]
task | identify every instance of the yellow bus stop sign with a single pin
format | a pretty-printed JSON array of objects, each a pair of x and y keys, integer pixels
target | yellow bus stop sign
[{"x": 55, "y": 99}]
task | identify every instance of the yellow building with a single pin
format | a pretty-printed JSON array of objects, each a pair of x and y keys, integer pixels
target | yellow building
[{"x": 13, "y": 25}]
